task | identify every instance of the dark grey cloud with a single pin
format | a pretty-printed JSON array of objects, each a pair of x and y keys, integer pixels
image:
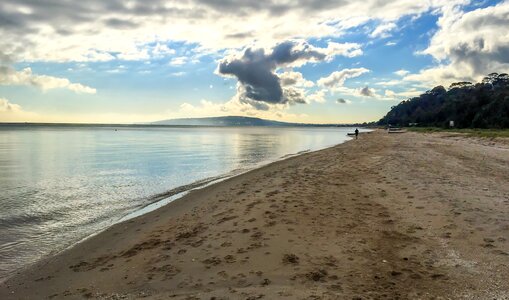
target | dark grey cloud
[
  {"x": 255, "y": 70},
  {"x": 120, "y": 24},
  {"x": 58, "y": 14},
  {"x": 239, "y": 35},
  {"x": 294, "y": 96},
  {"x": 287, "y": 81},
  {"x": 6, "y": 58},
  {"x": 366, "y": 91},
  {"x": 480, "y": 60},
  {"x": 272, "y": 7},
  {"x": 340, "y": 101},
  {"x": 80, "y": 11}
]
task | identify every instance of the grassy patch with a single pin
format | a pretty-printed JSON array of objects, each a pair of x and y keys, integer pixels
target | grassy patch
[{"x": 487, "y": 133}]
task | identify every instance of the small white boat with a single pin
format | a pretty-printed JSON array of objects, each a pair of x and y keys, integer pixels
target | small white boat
[{"x": 395, "y": 130}]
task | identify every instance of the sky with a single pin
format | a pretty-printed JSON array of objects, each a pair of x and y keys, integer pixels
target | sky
[{"x": 309, "y": 61}]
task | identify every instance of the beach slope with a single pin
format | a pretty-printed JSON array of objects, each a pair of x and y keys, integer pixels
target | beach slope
[{"x": 391, "y": 216}]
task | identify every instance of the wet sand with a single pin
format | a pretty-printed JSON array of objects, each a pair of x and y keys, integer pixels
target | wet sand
[{"x": 408, "y": 216}]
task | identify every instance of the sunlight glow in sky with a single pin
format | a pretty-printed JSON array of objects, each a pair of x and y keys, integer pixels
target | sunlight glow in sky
[{"x": 312, "y": 61}]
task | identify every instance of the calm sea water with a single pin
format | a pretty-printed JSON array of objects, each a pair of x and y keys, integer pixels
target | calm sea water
[{"x": 59, "y": 184}]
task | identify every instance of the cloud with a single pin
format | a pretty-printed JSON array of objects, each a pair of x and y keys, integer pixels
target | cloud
[
  {"x": 335, "y": 82},
  {"x": 178, "y": 61},
  {"x": 98, "y": 30},
  {"x": 161, "y": 50},
  {"x": 134, "y": 52},
  {"x": 390, "y": 94},
  {"x": 178, "y": 74},
  {"x": 294, "y": 78},
  {"x": 255, "y": 69},
  {"x": 344, "y": 49},
  {"x": 120, "y": 24},
  {"x": 337, "y": 78},
  {"x": 383, "y": 30},
  {"x": 401, "y": 72},
  {"x": 7, "y": 107},
  {"x": 318, "y": 96},
  {"x": 294, "y": 96},
  {"x": 389, "y": 83},
  {"x": 11, "y": 112},
  {"x": 9, "y": 76},
  {"x": 410, "y": 93},
  {"x": 343, "y": 101},
  {"x": 468, "y": 45},
  {"x": 367, "y": 92}
]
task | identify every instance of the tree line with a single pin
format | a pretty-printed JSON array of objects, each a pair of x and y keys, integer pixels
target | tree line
[{"x": 480, "y": 105}]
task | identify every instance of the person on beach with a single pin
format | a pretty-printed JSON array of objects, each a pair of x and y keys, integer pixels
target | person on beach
[{"x": 356, "y": 133}]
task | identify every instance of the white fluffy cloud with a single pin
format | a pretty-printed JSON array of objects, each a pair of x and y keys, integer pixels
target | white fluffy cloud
[
  {"x": 468, "y": 45},
  {"x": 383, "y": 30},
  {"x": 390, "y": 94},
  {"x": 335, "y": 84},
  {"x": 389, "y": 83},
  {"x": 412, "y": 92},
  {"x": 294, "y": 78},
  {"x": 7, "y": 107},
  {"x": 318, "y": 96},
  {"x": 343, "y": 49},
  {"x": 401, "y": 72},
  {"x": 178, "y": 61},
  {"x": 9, "y": 76},
  {"x": 337, "y": 79},
  {"x": 367, "y": 93},
  {"x": 11, "y": 112}
]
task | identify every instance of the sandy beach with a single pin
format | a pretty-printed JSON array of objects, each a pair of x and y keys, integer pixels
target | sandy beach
[{"x": 387, "y": 216}]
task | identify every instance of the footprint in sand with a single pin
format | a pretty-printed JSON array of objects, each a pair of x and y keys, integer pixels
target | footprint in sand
[
  {"x": 316, "y": 276},
  {"x": 290, "y": 259},
  {"x": 212, "y": 261},
  {"x": 230, "y": 259}
]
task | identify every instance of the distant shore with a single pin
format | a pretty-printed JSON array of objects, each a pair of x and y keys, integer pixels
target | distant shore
[{"x": 386, "y": 216}]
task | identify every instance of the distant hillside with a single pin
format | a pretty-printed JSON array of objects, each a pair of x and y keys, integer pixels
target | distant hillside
[
  {"x": 480, "y": 105},
  {"x": 224, "y": 121}
]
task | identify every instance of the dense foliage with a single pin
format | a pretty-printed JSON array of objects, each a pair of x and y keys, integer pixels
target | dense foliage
[{"x": 481, "y": 105}]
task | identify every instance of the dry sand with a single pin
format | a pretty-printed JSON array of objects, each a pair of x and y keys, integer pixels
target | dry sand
[{"x": 409, "y": 216}]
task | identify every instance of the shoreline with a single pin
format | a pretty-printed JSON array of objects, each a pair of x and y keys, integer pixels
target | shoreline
[
  {"x": 383, "y": 215},
  {"x": 213, "y": 180},
  {"x": 164, "y": 199},
  {"x": 164, "y": 203}
]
